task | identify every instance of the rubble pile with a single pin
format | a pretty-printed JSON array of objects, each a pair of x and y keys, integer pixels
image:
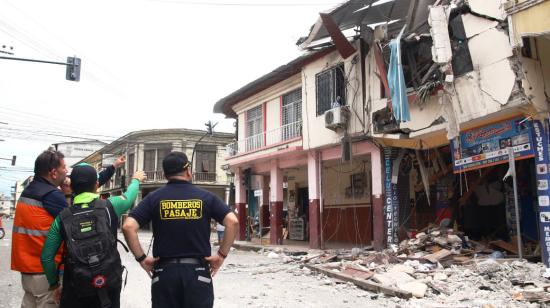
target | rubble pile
[{"x": 437, "y": 266}]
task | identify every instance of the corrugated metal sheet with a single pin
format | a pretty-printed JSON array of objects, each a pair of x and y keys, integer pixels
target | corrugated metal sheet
[{"x": 357, "y": 12}]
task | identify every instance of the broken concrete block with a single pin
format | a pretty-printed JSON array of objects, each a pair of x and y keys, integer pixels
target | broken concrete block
[
  {"x": 392, "y": 278},
  {"x": 454, "y": 239},
  {"x": 494, "y": 40},
  {"x": 418, "y": 289},
  {"x": 488, "y": 266},
  {"x": 497, "y": 80},
  {"x": 435, "y": 257},
  {"x": 474, "y": 25},
  {"x": 440, "y": 276},
  {"x": 272, "y": 255},
  {"x": 440, "y": 241},
  {"x": 420, "y": 235},
  {"x": 490, "y": 8},
  {"x": 402, "y": 268}
]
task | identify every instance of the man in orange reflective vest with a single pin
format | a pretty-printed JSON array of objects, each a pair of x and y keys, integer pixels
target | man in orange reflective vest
[{"x": 36, "y": 209}]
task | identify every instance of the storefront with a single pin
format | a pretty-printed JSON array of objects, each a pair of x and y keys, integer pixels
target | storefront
[{"x": 461, "y": 186}]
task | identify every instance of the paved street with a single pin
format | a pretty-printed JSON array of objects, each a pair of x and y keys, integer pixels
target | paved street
[{"x": 247, "y": 279}]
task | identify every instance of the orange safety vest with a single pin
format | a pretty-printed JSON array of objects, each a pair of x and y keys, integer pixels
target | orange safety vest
[{"x": 30, "y": 228}]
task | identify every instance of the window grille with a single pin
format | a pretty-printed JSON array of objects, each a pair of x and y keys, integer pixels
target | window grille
[
  {"x": 254, "y": 125},
  {"x": 291, "y": 114},
  {"x": 330, "y": 88}
]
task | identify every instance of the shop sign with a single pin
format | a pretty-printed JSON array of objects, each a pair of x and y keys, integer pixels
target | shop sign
[
  {"x": 540, "y": 143},
  {"x": 391, "y": 205},
  {"x": 487, "y": 146}
]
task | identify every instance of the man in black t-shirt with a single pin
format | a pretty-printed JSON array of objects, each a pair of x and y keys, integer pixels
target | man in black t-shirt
[{"x": 182, "y": 265}]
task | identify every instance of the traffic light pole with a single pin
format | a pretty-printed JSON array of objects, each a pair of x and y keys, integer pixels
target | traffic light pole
[
  {"x": 33, "y": 60},
  {"x": 195, "y": 147},
  {"x": 12, "y": 159},
  {"x": 73, "y": 65}
]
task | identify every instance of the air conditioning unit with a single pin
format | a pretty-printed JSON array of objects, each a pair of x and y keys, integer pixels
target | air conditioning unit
[
  {"x": 384, "y": 122},
  {"x": 337, "y": 118}
]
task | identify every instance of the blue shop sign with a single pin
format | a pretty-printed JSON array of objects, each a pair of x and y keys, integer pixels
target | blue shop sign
[{"x": 487, "y": 146}]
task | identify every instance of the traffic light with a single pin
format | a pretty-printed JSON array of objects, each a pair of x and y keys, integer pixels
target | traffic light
[
  {"x": 209, "y": 128},
  {"x": 13, "y": 160},
  {"x": 73, "y": 69}
]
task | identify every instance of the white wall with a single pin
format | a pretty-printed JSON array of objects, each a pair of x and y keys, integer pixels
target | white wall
[
  {"x": 273, "y": 114},
  {"x": 315, "y": 134},
  {"x": 336, "y": 177}
]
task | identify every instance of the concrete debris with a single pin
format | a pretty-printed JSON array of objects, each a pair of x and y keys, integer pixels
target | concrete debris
[
  {"x": 418, "y": 289},
  {"x": 474, "y": 25},
  {"x": 438, "y": 265},
  {"x": 492, "y": 9}
]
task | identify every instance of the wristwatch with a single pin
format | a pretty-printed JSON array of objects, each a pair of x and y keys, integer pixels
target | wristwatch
[{"x": 139, "y": 259}]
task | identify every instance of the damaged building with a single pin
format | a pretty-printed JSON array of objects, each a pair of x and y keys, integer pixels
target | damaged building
[{"x": 400, "y": 115}]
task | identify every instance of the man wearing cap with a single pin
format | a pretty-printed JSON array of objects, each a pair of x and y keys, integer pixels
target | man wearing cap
[
  {"x": 40, "y": 202},
  {"x": 182, "y": 265},
  {"x": 84, "y": 183}
]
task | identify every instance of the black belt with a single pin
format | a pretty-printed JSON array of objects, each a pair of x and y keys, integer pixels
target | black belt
[{"x": 195, "y": 261}]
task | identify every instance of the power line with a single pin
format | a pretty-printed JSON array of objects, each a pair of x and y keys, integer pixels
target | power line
[{"x": 273, "y": 4}]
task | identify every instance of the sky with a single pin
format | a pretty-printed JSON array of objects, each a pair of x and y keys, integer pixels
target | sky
[{"x": 146, "y": 64}]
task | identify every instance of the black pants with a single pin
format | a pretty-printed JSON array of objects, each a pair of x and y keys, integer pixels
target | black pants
[
  {"x": 176, "y": 285},
  {"x": 69, "y": 299}
]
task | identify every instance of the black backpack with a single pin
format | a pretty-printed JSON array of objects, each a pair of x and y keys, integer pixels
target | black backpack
[{"x": 92, "y": 261}]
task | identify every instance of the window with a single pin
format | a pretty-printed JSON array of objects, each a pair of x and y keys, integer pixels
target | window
[
  {"x": 161, "y": 154},
  {"x": 291, "y": 114},
  {"x": 254, "y": 128},
  {"x": 131, "y": 159},
  {"x": 149, "y": 160},
  {"x": 153, "y": 156},
  {"x": 205, "y": 163},
  {"x": 330, "y": 88}
]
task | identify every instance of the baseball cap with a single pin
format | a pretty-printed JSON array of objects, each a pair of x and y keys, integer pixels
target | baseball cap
[
  {"x": 174, "y": 163},
  {"x": 83, "y": 178}
]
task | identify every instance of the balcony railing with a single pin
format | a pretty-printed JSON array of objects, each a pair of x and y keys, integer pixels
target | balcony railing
[
  {"x": 264, "y": 139},
  {"x": 155, "y": 176},
  {"x": 158, "y": 176},
  {"x": 204, "y": 177}
]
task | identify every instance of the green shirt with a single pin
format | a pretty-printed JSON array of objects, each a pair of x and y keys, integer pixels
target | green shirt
[{"x": 121, "y": 204}]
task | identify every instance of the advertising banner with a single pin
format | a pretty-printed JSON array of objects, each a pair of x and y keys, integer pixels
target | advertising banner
[
  {"x": 487, "y": 146},
  {"x": 391, "y": 206},
  {"x": 540, "y": 139}
]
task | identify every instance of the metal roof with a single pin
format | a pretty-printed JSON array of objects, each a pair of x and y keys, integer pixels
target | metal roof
[{"x": 355, "y": 13}]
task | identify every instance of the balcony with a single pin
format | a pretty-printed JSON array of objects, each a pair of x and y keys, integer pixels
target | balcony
[
  {"x": 204, "y": 177},
  {"x": 157, "y": 176},
  {"x": 283, "y": 134}
]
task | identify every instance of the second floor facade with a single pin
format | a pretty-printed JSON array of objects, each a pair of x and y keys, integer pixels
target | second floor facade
[
  {"x": 460, "y": 71},
  {"x": 145, "y": 150}
]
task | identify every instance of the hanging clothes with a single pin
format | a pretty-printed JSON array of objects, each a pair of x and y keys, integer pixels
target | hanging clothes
[{"x": 396, "y": 82}]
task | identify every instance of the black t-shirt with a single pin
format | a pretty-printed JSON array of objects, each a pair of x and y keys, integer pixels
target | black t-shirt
[{"x": 181, "y": 214}]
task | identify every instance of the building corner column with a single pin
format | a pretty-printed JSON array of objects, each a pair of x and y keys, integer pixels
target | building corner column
[
  {"x": 276, "y": 205},
  {"x": 240, "y": 204},
  {"x": 314, "y": 192}
]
